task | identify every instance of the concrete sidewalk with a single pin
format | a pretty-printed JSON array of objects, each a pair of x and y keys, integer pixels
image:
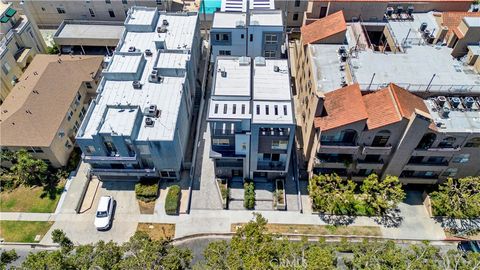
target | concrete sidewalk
[
  {"x": 20, "y": 216},
  {"x": 75, "y": 190}
]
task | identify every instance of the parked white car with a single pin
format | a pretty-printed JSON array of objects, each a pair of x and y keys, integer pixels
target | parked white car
[{"x": 103, "y": 217}]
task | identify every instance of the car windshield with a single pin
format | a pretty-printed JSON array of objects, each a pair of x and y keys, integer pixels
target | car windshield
[
  {"x": 475, "y": 246},
  {"x": 101, "y": 213}
]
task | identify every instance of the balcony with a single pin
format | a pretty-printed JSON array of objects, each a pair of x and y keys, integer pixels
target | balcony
[
  {"x": 110, "y": 159},
  {"x": 332, "y": 164},
  {"x": 124, "y": 172},
  {"x": 225, "y": 152},
  {"x": 338, "y": 149},
  {"x": 271, "y": 165},
  {"x": 373, "y": 165},
  {"x": 425, "y": 166},
  {"x": 376, "y": 150},
  {"x": 436, "y": 152}
]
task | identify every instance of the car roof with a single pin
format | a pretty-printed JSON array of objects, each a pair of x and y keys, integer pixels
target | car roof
[{"x": 103, "y": 203}]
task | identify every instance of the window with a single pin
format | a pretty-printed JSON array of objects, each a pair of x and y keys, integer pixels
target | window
[
  {"x": 297, "y": 3},
  {"x": 225, "y": 37},
  {"x": 216, "y": 108},
  {"x": 285, "y": 112},
  {"x": 6, "y": 68},
  {"x": 242, "y": 36},
  {"x": 474, "y": 142},
  {"x": 225, "y": 107},
  {"x": 258, "y": 109},
  {"x": 92, "y": 13},
  {"x": 76, "y": 126},
  {"x": 447, "y": 142},
  {"x": 427, "y": 141},
  {"x": 159, "y": 2},
  {"x": 381, "y": 138},
  {"x": 79, "y": 96},
  {"x": 125, "y": 2},
  {"x": 172, "y": 174},
  {"x": 222, "y": 37},
  {"x": 462, "y": 158},
  {"x": 270, "y": 54},
  {"x": 60, "y": 10},
  {"x": 450, "y": 172},
  {"x": 34, "y": 150},
  {"x": 344, "y": 137},
  {"x": 436, "y": 160},
  {"x": 234, "y": 110},
  {"x": 108, "y": 1},
  {"x": 70, "y": 115},
  {"x": 251, "y": 37},
  {"x": 88, "y": 85},
  {"x": 275, "y": 157},
  {"x": 221, "y": 142},
  {"x": 243, "y": 108},
  {"x": 275, "y": 109},
  {"x": 67, "y": 144},
  {"x": 267, "y": 156},
  {"x": 112, "y": 14},
  {"x": 164, "y": 174},
  {"x": 267, "y": 110},
  {"x": 271, "y": 38},
  {"x": 224, "y": 52},
  {"x": 82, "y": 113},
  {"x": 295, "y": 16},
  {"x": 279, "y": 145}
]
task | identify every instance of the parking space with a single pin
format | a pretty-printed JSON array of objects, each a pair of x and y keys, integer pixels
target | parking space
[{"x": 80, "y": 227}]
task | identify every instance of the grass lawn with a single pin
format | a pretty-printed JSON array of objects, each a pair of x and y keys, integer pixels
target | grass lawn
[
  {"x": 318, "y": 229},
  {"x": 157, "y": 231},
  {"x": 34, "y": 200},
  {"x": 23, "y": 231}
]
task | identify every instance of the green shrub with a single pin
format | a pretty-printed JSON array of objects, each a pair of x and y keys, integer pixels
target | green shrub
[
  {"x": 249, "y": 195},
  {"x": 146, "y": 190},
  {"x": 172, "y": 202},
  {"x": 224, "y": 190}
]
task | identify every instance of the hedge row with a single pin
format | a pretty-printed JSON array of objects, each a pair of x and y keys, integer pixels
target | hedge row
[
  {"x": 249, "y": 195},
  {"x": 146, "y": 190},
  {"x": 172, "y": 202}
]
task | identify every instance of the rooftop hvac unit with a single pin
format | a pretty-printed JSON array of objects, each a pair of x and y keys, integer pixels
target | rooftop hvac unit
[
  {"x": 149, "y": 122},
  {"x": 343, "y": 57},
  {"x": 151, "y": 111},
  {"x": 455, "y": 102},
  {"x": 410, "y": 10},
  {"x": 426, "y": 34},
  {"x": 444, "y": 112},
  {"x": 399, "y": 10},
  {"x": 165, "y": 22},
  {"x": 423, "y": 27},
  {"x": 430, "y": 39},
  {"x": 260, "y": 61},
  {"x": 132, "y": 49},
  {"x": 244, "y": 61},
  {"x": 223, "y": 73},
  {"x": 389, "y": 11},
  {"x": 154, "y": 77},
  {"x": 342, "y": 50},
  {"x": 441, "y": 100},
  {"x": 136, "y": 85},
  {"x": 276, "y": 68},
  {"x": 148, "y": 52},
  {"x": 468, "y": 102},
  {"x": 162, "y": 29}
]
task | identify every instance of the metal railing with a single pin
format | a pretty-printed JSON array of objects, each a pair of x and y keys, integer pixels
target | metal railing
[{"x": 440, "y": 88}]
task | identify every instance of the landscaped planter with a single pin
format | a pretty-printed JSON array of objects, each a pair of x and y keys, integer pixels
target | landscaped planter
[
  {"x": 172, "y": 201},
  {"x": 222, "y": 188},
  {"x": 280, "y": 198}
]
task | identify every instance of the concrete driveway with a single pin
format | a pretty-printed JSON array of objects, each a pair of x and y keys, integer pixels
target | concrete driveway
[{"x": 80, "y": 228}]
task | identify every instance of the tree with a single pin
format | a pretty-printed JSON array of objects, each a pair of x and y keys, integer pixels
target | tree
[
  {"x": 51, "y": 260},
  {"x": 7, "y": 257},
  {"x": 381, "y": 195},
  {"x": 332, "y": 195},
  {"x": 59, "y": 237},
  {"x": 29, "y": 170},
  {"x": 457, "y": 198}
]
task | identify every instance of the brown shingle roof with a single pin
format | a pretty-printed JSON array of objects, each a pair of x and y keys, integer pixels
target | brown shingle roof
[
  {"x": 35, "y": 108},
  {"x": 389, "y": 105},
  {"x": 342, "y": 106},
  {"x": 323, "y": 28}
]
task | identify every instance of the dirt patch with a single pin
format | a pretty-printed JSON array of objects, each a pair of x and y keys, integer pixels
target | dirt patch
[
  {"x": 157, "y": 231},
  {"x": 318, "y": 229},
  {"x": 475, "y": 236},
  {"x": 146, "y": 207}
]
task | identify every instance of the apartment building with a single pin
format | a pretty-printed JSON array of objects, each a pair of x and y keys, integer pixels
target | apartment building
[
  {"x": 257, "y": 33},
  {"x": 47, "y": 105},
  {"x": 20, "y": 41},
  {"x": 293, "y": 11},
  {"x": 139, "y": 125},
  {"x": 251, "y": 118},
  {"x": 392, "y": 131},
  {"x": 376, "y": 10},
  {"x": 52, "y": 13}
]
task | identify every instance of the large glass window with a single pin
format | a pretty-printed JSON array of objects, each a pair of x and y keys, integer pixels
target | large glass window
[
  {"x": 474, "y": 142},
  {"x": 279, "y": 145},
  {"x": 381, "y": 138},
  {"x": 462, "y": 158},
  {"x": 344, "y": 137},
  {"x": 271, "y": 38},
  {"x": 221, "y": 142},
  {"x": 427, "y": 141},
  {"x": 447, "y": 142}
]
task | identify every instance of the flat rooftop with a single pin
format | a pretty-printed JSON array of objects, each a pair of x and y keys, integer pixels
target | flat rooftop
[
  {"x": 411, "y": 69},
  {"x": 229, "y": 109},
  {"x": 278, "y": 112},
  {"x": 228, "y": 19},
  {"x": 269, "y": 84},
  {"x": 141, "y": 16},
  {"x": 236, "y": 82},
  {"x": 85, "y": 31},
  {"x": 118, "y": 99},
  {"x": 459, "y": 120},
  {"x": 266, "y": 18}
]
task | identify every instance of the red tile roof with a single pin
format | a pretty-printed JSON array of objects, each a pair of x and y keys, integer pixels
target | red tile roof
[
  {"x": 383, "y": 107},
  {"x": 323, "y": 28},
  {"x": 343, "y": 106}
]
